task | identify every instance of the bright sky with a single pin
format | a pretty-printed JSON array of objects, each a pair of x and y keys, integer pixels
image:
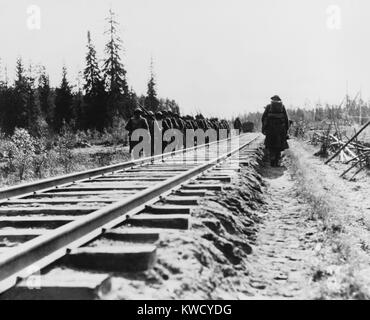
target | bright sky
[{"x": 223, "y": 57}]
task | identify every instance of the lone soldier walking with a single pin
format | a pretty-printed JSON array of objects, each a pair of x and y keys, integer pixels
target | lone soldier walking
[{"x": 275, "y": 125}]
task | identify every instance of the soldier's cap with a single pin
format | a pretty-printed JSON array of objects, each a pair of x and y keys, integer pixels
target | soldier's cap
[
  {"x": 159, "y": 114},
  {"x": 151, "y": 113},
  {"x": 276, "y": 98},
  {"x": 137, "y": 111}
]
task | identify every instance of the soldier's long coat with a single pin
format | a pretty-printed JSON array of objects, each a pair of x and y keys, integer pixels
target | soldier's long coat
[
  {"x": 275, "y": 125},
  {"x": 132, "y": 125}
]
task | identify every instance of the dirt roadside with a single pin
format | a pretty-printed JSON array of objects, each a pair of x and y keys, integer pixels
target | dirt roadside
[
  {"x": 314, "y": 241},
  {"x": 280, "y": 265}
]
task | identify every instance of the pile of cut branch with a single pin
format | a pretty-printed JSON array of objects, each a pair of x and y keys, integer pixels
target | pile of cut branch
[{"x": 350, "y": 151}]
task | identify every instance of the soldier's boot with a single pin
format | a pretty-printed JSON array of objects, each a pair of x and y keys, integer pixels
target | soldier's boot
[
  {"x": 273, "y": 158},
  {"x": 278, "y": 158}
]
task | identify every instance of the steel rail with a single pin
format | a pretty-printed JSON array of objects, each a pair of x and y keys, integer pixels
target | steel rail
[
  {"x": 9, "y": 192},
  {"x": 36, "y": 251}
]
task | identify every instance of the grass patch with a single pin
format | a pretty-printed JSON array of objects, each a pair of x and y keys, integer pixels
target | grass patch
[{"x": 26, "y": 158}]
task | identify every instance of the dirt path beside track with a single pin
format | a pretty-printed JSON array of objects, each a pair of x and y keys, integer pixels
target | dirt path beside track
[
  {"x": 314, "y": 238},
  {"x": 280, "y": 263}
]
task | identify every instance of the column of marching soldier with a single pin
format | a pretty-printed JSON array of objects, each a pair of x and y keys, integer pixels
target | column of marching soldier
[{"x": 151, "y": 121}]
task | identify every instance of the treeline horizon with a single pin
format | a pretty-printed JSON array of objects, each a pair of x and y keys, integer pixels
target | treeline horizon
[
  {"x": 351, "y": 112},
  {"x": 104, "y": 99}
]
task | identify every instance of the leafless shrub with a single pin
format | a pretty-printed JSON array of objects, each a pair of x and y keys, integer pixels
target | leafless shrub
[
  {"x": 64, "y": 145},
  {"x": 42, "y": 160}
]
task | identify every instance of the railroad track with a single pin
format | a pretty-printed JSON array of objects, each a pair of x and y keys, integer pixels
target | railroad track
[{"x": 104, "y": 220}]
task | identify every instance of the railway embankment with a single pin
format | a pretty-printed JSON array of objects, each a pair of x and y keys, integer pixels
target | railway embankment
[{"x": 210, "y": 260}]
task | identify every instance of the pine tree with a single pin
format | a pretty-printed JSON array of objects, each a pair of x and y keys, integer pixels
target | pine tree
[
  {"x": 19, "y": 116},
  {"x": 20, "y": 105},
  {"x": 94, "y": 87},
  {"x": 63, "y": 103},
  {"x": 3, "y": 75},
  {"x": 2, "y": 81},
  {"x": 114, "y": 72},
  {"x": 151, "y": 100},
  {"x": 92, "y": 75},
  {"x": 7, "y": 115},
  {"x": 79, "y": 108},
  {"x": 131, "y": 104},
  {"x": 45, "y": 94},
  {"x": 33, "y": 110}
]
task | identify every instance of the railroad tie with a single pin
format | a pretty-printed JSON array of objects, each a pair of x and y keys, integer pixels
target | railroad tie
[
  {"x": 160, "y": 170},
  {"x": 50, "y": 222},
  {"x": 182, "y": 200},
  {"x": 126, "y": 179},
  {"x": 168, "y": 221},
  {"x": 132, "y": 188},
  {"x": 123, "y": 258},
  {"x": 167, "y": 209},
  {"x": 194, "y": 186},
  {"x": 19, "y": 235},
  {"x": 228, "y": 169},
  {"x": 56, "y": 201},
  {"x": 138, "y": 235},
  {"x": 190, "y": 193},
  {"x": 111, "y": 194},
  {"x": 62, "y": 286},
  {"x": 74, "y": 211},
  {"x": 225, "y": 179}
]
